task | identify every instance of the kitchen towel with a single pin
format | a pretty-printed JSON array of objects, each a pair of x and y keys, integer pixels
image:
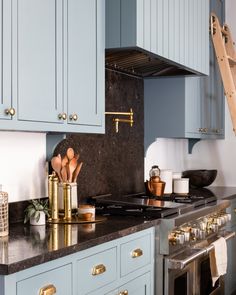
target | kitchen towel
[{"x": 218, "y": 259}]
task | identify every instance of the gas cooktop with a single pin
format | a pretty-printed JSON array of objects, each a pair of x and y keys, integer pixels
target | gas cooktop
[{"x": 141, "y": 204}]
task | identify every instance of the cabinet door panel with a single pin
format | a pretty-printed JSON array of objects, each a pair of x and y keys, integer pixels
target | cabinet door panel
[
  {"x": 5, "y": 58},
  {"x": 192, "y": 105},
  {"x": 138, "y": 286},
  {"x": 37, "y": 59},
  {"x": 60, "y": 277},
  {"x": 217, "y": 92},
  {"x": 82, "y": 57}
]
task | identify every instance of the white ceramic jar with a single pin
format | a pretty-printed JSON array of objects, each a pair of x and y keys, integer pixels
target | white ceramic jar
[
  {"x": 166, "y": 176},
  {"x": 181, "y": 186}
]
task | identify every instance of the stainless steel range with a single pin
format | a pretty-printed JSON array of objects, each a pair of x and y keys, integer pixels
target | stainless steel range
[
  {"x": 183, "y": 251},
  {"x": 183, "y": 239}
]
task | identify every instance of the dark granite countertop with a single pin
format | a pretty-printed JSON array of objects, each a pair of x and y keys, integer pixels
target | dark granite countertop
[{"x": 27, "y": 246}]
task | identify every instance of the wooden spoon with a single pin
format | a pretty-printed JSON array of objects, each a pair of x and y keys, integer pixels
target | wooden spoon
[
  {"x": 64, "y": 174},
  {"x": 70, "y": 153},
  {"x": 64, "y": 161},
  {"x": 72, "y": 167},
  {"x": 56, "y": 165},
  {"x": 77, "y": 171}
]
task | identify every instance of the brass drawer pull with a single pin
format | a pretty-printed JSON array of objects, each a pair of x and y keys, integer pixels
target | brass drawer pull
[
  {"x": 48, "y": 290},
  {"x": 137, "y": 253},
  {"x": 98, "y": 269},
  {"x": 125, "y": 292},
  {"x": 10, "y": 112}
]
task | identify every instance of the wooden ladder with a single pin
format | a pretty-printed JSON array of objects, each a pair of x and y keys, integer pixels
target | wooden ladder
[{"x": 226, "y": 57}]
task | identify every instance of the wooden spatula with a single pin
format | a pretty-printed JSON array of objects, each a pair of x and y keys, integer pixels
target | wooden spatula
[
  {"x": 76, "y": 172},
  {"x": 72, "y": 167}
]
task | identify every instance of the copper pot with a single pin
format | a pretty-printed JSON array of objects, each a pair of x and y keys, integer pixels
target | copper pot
[{"x": 156, "y": 187}]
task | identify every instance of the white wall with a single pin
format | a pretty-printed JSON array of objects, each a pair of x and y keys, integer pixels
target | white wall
[
  {"x": 22, "y": 164},
  {"x": 215, "y": 154}
]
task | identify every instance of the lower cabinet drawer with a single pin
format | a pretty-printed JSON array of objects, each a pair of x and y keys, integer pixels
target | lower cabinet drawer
[
  {"x": 135, "y": 254},
  {"x": 58, "y": 279},
  {"x": 96, "y": 271}
]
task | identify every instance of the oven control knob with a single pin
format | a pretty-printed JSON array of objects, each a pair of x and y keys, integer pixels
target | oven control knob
[
  {"x": 195, "y": 232},
  {"x": 228, "y": 216},
  {"x": 177, "y": 238}
]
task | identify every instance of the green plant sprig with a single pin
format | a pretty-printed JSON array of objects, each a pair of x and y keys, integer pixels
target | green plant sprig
[{"x": 34, "y": 208}]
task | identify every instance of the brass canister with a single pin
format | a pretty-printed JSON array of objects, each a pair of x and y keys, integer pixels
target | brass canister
[
  {"x": 67, "y": 201},
  {"x": 54, "y": 198},
  {"x": 50, "y": 189}
]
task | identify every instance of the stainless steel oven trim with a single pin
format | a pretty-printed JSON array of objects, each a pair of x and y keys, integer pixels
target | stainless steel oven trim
[{"x": 173, "y": 263}]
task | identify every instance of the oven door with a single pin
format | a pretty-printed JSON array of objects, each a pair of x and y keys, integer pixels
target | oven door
[{"x": 188, "y": 272}]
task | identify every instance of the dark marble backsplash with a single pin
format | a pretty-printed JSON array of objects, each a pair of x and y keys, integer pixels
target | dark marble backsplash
[{"x": 113, "y": 162}]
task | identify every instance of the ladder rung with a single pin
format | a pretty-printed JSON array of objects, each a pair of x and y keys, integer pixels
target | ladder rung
[
  {"x": 232, "y": 61},
  {"x": 224, "y": 32}
]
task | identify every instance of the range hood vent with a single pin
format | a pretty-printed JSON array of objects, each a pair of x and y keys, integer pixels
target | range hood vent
[{"x": 143, "y": 64}]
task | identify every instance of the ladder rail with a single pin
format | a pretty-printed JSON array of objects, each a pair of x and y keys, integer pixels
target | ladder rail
[{"x": 226, "y": 58}]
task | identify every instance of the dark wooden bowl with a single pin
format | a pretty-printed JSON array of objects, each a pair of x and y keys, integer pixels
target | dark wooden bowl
[{"x": 200, "y": 178}]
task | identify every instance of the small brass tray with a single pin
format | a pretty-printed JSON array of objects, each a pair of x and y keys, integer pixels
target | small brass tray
[{"x": 77, "y": 220}]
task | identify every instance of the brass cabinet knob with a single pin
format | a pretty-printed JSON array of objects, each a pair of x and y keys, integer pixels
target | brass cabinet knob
[
  {"x": 125, "y": 292},
  {"x": 10, "y": 112},
  {"x": 62, "y": 116},
  {"x": 73, "y": 117},
  {"x": 98, "y": 269},
  {"x": 48, "y": 290},
  {"x": 137, "y": 253}
]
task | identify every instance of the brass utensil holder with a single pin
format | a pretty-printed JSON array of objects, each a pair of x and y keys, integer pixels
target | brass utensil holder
[{"x": 61, "y": 193}]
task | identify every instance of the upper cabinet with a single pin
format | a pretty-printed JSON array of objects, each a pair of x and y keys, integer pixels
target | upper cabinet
[
  {"x": 190, "y": 107},
  {"x": 176, "y": 31},
  {"x": 5, "y": 58},
  {"x": 55, "y": 78}
]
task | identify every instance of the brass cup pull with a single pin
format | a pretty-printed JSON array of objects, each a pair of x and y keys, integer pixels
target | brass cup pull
[
  {"x": 73, "y": 117},
  {"x": 200, "y": 129},
  {"x": 98, "y": 269},
  {"x": 10, "y": 112},
  {"x": 137, "y": 253},
  {"x": 62, "y": 116},
  {"x": 48, "y": 290},
  {"x": 125, "y": 292}
]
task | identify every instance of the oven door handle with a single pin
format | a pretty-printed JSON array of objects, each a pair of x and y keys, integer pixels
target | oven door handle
[
  {"x": 181, "y": 263},
  {"x": 229, "y": 235}
]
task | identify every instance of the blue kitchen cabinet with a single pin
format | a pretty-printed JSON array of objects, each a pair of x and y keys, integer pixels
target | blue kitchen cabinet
[
  {"x": 37, "y": 48},
  {"x": 138, "y": 286},
  {"x": 55, "y": 78},
  {"x": 84, "y": 64},
  {"x": 5, "y": 59},
  {"x": 174, "y": 29},
  {"x": 97, "y": 270},
  {"x": 190, "y": 107}
]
